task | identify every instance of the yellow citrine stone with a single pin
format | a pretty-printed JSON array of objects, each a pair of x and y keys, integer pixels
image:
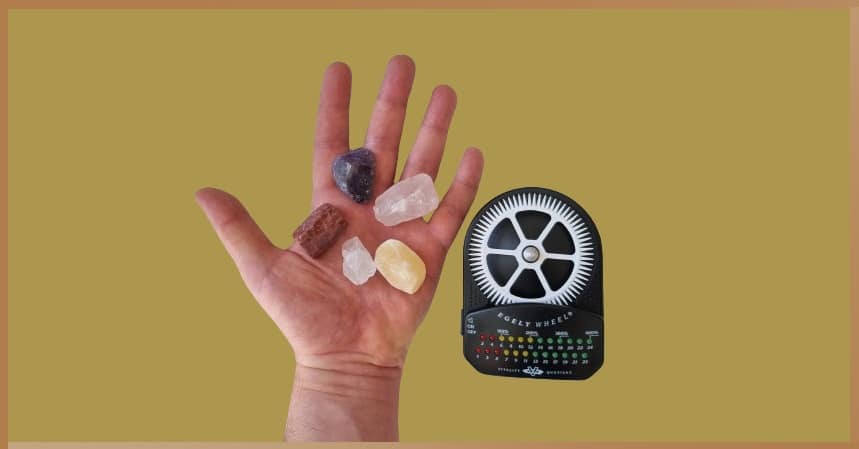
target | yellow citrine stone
[{"x": 400, "y": 266}]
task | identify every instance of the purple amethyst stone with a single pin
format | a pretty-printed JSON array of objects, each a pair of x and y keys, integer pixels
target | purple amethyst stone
[{"x": 354, "y": 172}]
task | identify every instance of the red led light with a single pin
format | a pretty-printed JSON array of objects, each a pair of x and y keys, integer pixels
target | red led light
[
  {"x": 478, "y": 350},
  {"x": 482, "y": 337},
  {"x": 497, "y": 352},
  {"x": 486, "y": 351},
  {"x": 491, "y": 338}
]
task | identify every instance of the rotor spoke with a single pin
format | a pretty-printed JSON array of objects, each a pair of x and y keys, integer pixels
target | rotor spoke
[
  {"x": 560, "y": 256},
  {"x": 518, "y": 229},
  {"x": 543, "y": 280},
  {"x": 513, "y": 278},
  {"x": 504, "y": 252},
  {"x": 545, "y": 232}
]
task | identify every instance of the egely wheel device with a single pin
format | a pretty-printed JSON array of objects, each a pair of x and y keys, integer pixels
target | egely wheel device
[{"x": 532, "y": 288}]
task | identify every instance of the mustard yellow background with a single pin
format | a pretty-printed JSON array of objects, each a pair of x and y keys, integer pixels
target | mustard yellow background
[{"x": 710, "y": 147}]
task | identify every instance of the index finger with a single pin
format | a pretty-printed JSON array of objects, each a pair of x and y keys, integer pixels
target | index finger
[{"x": 332, "y": 122}]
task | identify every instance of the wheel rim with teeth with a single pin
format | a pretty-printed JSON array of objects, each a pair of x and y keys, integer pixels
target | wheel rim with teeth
[{"x": 531, "y": 247}]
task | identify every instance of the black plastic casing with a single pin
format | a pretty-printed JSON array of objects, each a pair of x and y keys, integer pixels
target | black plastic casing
[{"x": 489, "y": 330}]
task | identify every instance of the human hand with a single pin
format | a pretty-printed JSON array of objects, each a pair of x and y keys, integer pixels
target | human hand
[{"x": 338, "y": 329}]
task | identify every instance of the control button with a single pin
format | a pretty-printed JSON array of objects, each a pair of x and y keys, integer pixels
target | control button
[
  {"x": 554, "y": 355},
  {"x": 501, "y": 338},
  {"x": 545, "y": 354},
  {"x": 482, "y": 337},
  {"x": 506, "y": 352},
  {"x": 524, "y": 353},
  {"x": 564, "y": 355},
  {"x": 578, "y": 341},
  {"x": 539, "y": 339},
  {"x": 486, "y": 351},
  {"x": 550, "y": 340},
  {"x": 520, "y": 339},
  {"x": 530, "y": 339},
  {"x": 584, "y": 355},
  {"x": 515, "y": 353}
]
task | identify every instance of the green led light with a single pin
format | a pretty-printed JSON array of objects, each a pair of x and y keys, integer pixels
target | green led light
[
  {"x": 590, "y": 342},
  {"x": 545, "y": 354},
  {"x": 554, "y": 355},
  {"x": 549, "y": 340},
  {"x": 564, "y": 355},
  {"x": 539, "y": 339},
  {"x": 569, "y": 341},
  {"x": 574, "y": 355},
  {"x": 584, "y": 355}
]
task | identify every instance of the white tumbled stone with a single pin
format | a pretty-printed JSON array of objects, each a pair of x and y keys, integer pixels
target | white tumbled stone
[
  {"x": 358, "y": 264},
  {"x": 406, "y": 200}
]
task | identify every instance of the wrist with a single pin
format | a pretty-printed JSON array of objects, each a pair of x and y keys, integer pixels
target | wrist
[
  {"x": 348, "y": 376},
  {"x": 343, "y": 398}
]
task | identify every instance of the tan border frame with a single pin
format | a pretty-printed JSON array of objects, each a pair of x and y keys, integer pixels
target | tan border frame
[{"x": 852, "y": 5}]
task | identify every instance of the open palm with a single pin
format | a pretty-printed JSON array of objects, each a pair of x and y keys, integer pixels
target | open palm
[{"x": 322, "y": 314}]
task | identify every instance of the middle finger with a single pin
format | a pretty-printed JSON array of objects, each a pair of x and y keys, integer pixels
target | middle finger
[{"x": 386, "y": 121}]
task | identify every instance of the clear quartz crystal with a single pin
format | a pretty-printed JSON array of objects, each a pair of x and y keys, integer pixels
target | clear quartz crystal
[
  {"x": 400, "y": 266},
  {"x": 406, "y": 200},
  {"x": 358, "y": 264}
]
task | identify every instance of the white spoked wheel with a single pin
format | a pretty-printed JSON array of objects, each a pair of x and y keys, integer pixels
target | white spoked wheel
[{"x": 531, "y": 247}]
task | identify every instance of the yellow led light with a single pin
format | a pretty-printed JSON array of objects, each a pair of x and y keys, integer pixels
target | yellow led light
[
  {"x": 501, "y": 338},
  {"x": 520, "y": 339},
  {"x": 524, "y": 353},
  {"x": 530, "y": 339},
  {"x": 515, "y": 353},
  {"x": 506, "y": 352}
]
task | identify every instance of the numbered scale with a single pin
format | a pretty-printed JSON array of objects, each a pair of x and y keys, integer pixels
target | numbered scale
[{"x": 532, "y": 288}]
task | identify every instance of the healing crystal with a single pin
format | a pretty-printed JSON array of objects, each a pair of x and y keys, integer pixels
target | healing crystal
[
  {"x": 358, "y": 265},
  {"x": 319, "y": 231},
  {"x": 406, "y": 200},
  {"x": 400, "y": 266},
  {"x": 353, "y": 173}
]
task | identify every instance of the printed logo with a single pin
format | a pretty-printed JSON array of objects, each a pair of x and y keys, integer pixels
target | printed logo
[{"x": 532, "y": 371}]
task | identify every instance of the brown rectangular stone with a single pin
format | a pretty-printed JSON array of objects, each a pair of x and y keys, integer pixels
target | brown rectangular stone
[{"x": 319, "y": 231}]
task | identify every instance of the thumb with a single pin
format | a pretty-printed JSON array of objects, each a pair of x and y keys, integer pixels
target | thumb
[{"x": 245, "y": 242}]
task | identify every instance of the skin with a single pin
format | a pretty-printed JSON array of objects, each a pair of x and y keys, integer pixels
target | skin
[{"x": 350, "y": 342}]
